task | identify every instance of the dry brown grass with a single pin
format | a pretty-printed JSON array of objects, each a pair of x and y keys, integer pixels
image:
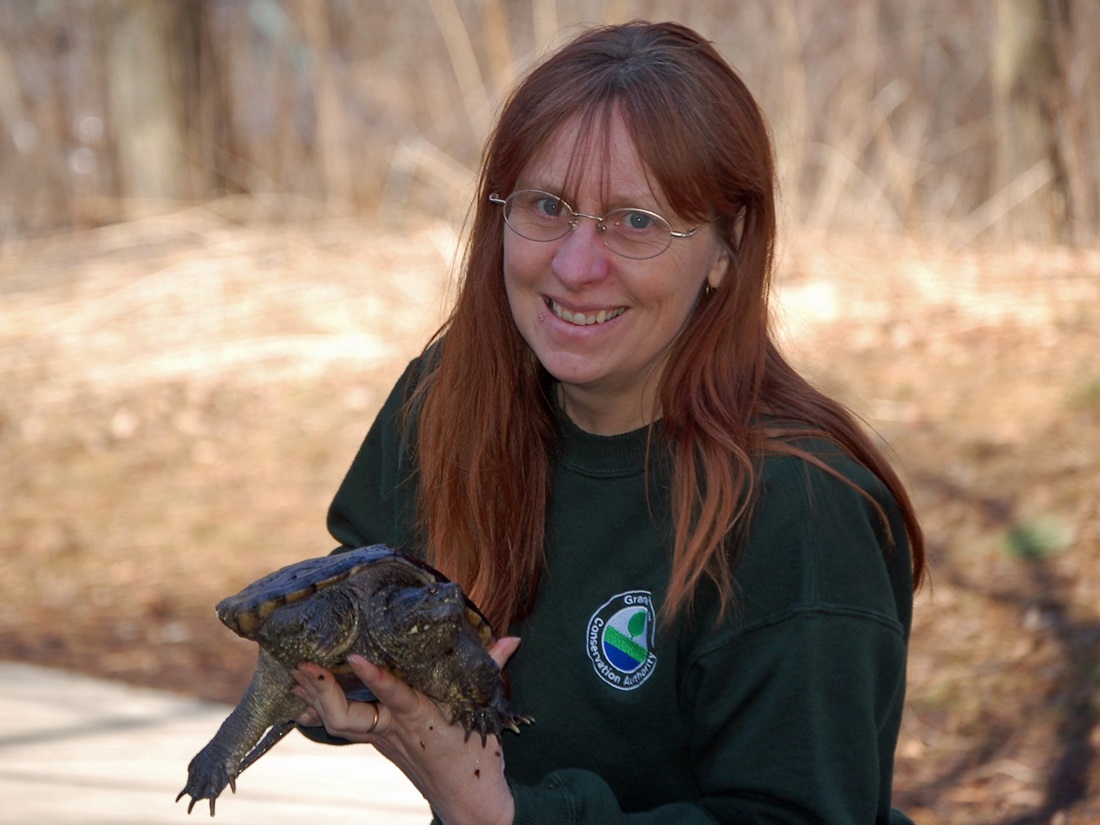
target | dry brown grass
[
  {"x": 980, "y": 372},
  {"x": 182, "y": 394}
]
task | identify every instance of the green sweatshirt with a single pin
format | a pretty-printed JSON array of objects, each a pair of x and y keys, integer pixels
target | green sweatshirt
[{"x": 784, "y": 710}]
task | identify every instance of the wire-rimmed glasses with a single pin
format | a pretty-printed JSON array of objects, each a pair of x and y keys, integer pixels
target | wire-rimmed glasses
[{"x": 543, "y": 216}]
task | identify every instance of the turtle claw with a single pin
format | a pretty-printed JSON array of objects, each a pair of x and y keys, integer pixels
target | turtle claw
[
  {"x": 207, "y": 781},
  {"x": 513, "y": 722},
  {"x": 194, "y": 799},
  {"x": 490, "y": 720}
]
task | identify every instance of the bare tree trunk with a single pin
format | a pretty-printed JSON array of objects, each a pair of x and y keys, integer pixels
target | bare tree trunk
[
  {"x": 332, "y": 139},
  {"x": 1029, "y": 99},
  {"x": 145, "y": 104},
  {"x": 207, "y": 136},
  {"x": 1073, "y": 39}
]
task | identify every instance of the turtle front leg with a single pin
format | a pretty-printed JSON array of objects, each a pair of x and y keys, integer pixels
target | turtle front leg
[{"x": 267, "y": 702}]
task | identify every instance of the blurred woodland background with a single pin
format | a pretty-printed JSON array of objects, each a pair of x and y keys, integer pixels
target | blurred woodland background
[
  {"x": 970, "y": 117},
  {"x": 225, "y": 225}
]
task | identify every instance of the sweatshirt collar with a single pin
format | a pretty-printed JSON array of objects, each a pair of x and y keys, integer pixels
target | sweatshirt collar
[{"x": 604, "y": 455}]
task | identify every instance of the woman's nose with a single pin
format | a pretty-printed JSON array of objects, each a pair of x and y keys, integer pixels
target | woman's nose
[{"x": 582, "y": 257}]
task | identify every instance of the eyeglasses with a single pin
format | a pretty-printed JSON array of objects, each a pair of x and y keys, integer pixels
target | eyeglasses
[{"x": 632, "y": 233}]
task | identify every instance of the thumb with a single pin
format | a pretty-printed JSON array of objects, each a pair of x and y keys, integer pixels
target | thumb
[{"x": 503, "y": 648}]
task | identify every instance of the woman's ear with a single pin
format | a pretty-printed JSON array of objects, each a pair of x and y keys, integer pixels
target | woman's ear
[
  {"x": 728, "y": 253},
  {"x": 723, "y": 261}
]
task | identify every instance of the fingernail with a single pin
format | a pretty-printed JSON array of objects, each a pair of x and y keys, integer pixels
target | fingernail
[{"x": 362, "y": 663}]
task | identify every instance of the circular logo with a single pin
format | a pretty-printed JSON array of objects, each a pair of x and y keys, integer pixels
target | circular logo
[{"x": 620, "y": 639}]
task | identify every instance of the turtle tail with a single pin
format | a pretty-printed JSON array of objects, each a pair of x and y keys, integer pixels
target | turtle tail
[{"x": 270, "y": 739}]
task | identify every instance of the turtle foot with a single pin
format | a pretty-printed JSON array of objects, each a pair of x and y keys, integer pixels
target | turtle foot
[
  {"x": 206, "y": 779},
  {"x": 490, "y": 720}
]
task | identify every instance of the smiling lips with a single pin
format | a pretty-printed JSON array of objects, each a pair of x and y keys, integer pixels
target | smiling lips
[{"x": 581, "y": 319}]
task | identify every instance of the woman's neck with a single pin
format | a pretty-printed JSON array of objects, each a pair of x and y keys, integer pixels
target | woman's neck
[{"x": 598, "y": 414}]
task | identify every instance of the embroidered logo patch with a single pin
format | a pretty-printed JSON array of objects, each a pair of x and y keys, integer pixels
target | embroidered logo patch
[{"x": 620, "y": 640}]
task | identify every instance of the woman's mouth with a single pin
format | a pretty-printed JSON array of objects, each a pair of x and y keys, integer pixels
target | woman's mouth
[{"x": 582, "y": 319}]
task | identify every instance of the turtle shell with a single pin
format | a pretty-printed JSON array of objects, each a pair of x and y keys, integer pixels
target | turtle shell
[{"x": 245, "y": 612}]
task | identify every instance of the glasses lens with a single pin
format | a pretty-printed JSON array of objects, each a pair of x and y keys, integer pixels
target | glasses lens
[
  {"x": 636, "y": 233},
  {"x": 543, "y": 216},
  {"x": 538, "y": 215}
]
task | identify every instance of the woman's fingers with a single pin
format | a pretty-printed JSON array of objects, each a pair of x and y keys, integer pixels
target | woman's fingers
[
  {"x": 502, "y": 650},
  {"x": 309, "y": 717},
  {"x": 329, "y": 705},
  {"x": 463, "y": 779},
  {"x": 393, "y": 693},
  {"x": 358, "y": 720}
]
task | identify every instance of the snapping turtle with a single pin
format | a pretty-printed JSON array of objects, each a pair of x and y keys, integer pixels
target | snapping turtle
[{"x": 393, "y": 610}]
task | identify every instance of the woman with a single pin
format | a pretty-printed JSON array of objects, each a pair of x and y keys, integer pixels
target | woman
[{"x": 710, "y": 566}]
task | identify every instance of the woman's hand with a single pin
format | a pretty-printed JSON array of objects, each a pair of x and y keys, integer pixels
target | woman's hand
[{"x": 462, "y": 780}]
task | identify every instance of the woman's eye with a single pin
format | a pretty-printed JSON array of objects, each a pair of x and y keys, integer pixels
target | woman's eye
[
  {"x": 549, "y": 207},
  {"x": 637, "y": 221}
]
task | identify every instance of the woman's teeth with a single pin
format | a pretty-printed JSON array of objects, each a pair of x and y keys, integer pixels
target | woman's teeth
[{"x": 580, "y": 319}]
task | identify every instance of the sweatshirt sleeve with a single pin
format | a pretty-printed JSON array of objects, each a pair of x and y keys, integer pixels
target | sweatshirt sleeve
[
  {"x": 795, "y": 700},
  {"x": 375, "y": 503},
  {"x": 576, "y": 797}
]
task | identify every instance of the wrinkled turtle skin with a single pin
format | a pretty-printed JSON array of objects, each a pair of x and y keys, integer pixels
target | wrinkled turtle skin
[{"x": 391, "y": 609}]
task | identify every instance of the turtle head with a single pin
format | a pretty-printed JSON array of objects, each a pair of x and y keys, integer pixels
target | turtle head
[{"x": 422, "y": 618}]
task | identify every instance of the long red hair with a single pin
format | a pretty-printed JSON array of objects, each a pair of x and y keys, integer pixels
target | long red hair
[{"x": 484, "y": 410}]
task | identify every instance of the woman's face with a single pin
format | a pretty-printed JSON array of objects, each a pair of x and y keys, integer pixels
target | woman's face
[{"x": 608, "y": 370}]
